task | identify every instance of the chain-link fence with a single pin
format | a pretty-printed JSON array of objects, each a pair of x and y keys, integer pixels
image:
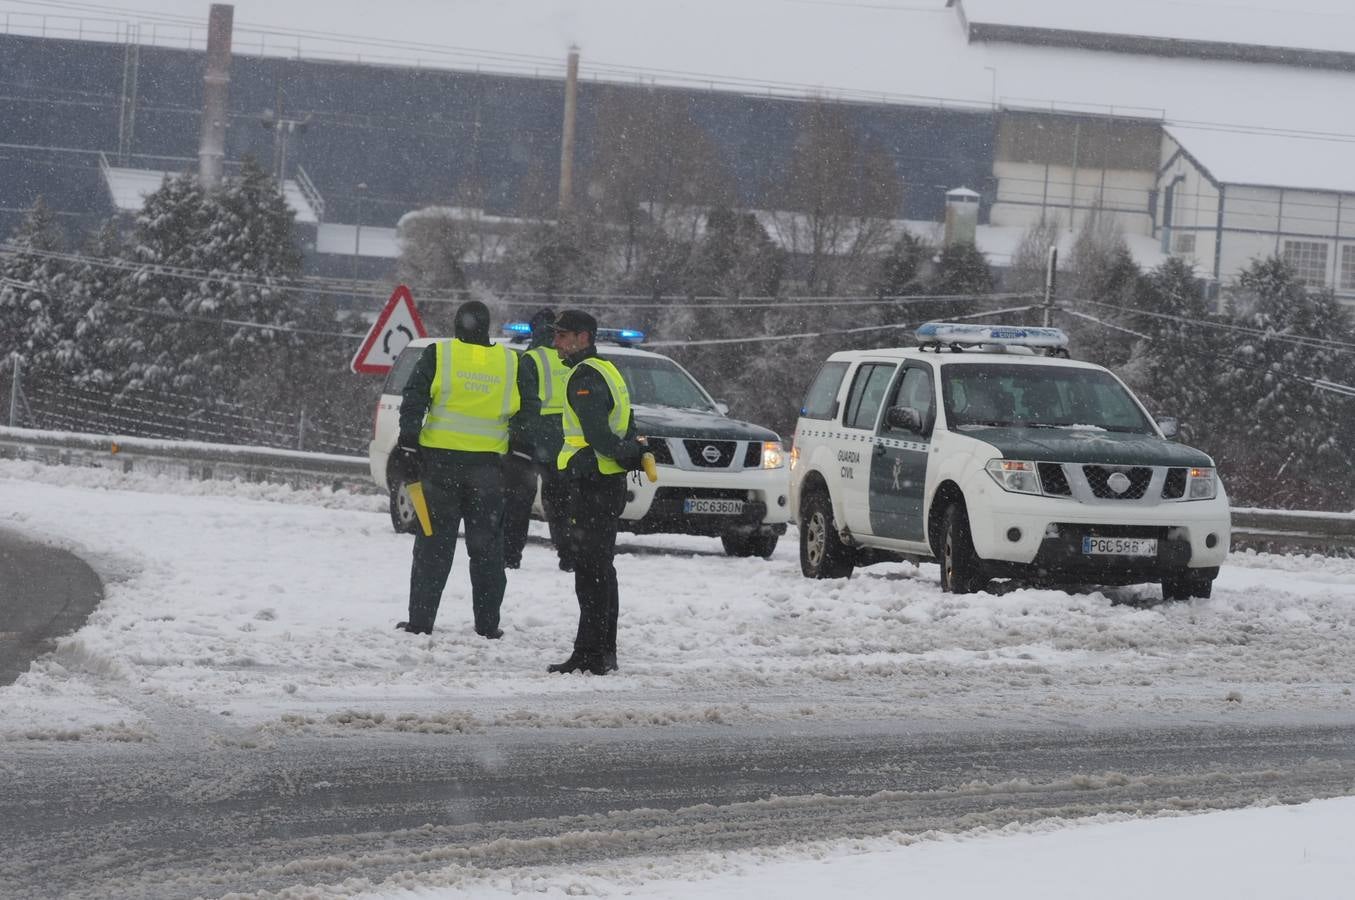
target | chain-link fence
[{"x": 65, "y": 406}]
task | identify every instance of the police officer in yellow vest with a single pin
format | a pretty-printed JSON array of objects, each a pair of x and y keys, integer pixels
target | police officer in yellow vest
[
  {"x": 534, "y": 439},
  {"x": 599, "y": 448},
  {"x": 454, "y": 416}
]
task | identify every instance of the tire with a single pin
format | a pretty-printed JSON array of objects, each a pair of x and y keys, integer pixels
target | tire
[
  {"x": 403, "y": 519},
  {"x": 1189, "y": 584},
  {"x": 960, "y": 565},
  {"x": 756, "y": 543},
  {"x": 822, "y": 553}
]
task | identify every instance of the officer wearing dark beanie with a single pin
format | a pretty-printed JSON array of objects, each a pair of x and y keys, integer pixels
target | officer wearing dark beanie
[
  {"x": 599, "y": 449},
  {"x": 454, "y": 414}
]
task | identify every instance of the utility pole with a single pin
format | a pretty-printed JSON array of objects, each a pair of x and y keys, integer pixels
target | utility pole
[
  {"x": 1050, "y": 276},
  {"x": 14, "y": 390},
  {"x": 216, "y": 91},
  {"x": 567, "y": 138},
  {"x": 357, "y": 237}
]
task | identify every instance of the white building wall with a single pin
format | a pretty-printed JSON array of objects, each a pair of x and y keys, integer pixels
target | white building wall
[
  {"x": 1312, "y": 229},
  {"x": 1028, "y": 191}
]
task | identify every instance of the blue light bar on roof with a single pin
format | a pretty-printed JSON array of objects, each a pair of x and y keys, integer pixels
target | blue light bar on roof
[
  {"x": 517, "y": 329},
  {"x": 621, "y": 335},
  {"x": 1008, "y": 335}
]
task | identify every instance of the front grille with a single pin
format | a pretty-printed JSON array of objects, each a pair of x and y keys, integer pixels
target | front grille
[
  {"x": 1099, "y": 476},
  {"x": 720, "y": 457},
  {"x": 752, "y": 459},
  {"x": 1174, "y": 488},
  {"x": 663, "y": 455},
  {"x": 1053, "y": 480}
]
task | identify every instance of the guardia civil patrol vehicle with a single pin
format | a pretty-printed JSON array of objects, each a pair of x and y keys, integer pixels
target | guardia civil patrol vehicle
[
  {"x": 718, "y": 476},
  {"x": 990, "y": 451}
]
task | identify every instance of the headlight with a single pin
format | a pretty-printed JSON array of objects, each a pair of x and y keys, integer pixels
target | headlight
[
  {"x": 773, "y": 457},
  {"x": 1015, "y": 475},
  {"x": 1203, "y": 485}
]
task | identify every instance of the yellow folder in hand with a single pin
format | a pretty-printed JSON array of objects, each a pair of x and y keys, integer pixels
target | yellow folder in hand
[{"x": 415, "y": 489}]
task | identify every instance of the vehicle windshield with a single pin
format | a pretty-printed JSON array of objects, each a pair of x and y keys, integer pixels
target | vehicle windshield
[
  {"x": 1039, "y": 397},
  {"x": 656, "y": 381}
]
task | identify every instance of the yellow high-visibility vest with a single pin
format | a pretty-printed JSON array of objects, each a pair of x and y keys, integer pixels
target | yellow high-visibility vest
[
  {"x": 475, "y": 393},
  {"x": 618, "y": 421},
  {"x": 552, "y": 376}
]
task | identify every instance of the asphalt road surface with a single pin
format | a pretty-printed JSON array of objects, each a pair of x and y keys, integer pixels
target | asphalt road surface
[
  {"x": 44, "y": 593},
  {"x": 81, "y": 820},
  {"x": 208, "y": 808}
]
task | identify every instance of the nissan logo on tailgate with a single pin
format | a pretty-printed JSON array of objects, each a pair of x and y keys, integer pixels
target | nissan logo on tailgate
[{"x": 710, "y": 453}]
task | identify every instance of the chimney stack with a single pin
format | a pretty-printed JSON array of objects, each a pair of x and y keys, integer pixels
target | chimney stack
[
  {"x": 567, "y": 137},
  {"x": 962, "y": 216},
  {"x": 212, "y": 148}
]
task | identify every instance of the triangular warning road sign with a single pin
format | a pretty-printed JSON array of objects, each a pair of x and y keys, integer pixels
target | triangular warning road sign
[{"x": 398, "y": 324}]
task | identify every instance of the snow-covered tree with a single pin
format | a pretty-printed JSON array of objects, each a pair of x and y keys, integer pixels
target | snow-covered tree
[
  {"x": 1291, "y": 438},
  {"x": 33, "y": 294}
]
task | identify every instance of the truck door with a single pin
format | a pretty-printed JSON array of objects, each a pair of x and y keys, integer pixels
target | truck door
[
  {"x": 860, "y": 415},
  {"x": 898, "y": 468}
]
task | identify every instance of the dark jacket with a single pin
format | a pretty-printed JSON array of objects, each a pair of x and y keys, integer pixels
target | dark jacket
[
  {"x": 591, "y": 400},
  {"x": 529, "y": 432}
]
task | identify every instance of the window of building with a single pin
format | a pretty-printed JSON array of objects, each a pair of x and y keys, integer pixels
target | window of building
[
  {"x": 1183, "y": 242},
  {"x": 1308, "y": 259},
  {"x": 1347, "y": 281}
]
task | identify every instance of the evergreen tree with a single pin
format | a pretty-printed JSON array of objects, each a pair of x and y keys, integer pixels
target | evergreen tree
[
  {"x": 1291, "y": 438},
  {"x": 33, "y": 295},
  {"x": 1177, "y": 370},
  {"x": 94, "y": 317}
]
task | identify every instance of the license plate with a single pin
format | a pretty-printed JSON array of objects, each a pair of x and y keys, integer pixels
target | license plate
[
  {"x": 707, "y": 506},
  {"x": 1119, "y": 546}
]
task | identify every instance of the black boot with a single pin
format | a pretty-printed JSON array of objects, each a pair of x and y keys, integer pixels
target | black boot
[
  {"x": 413, "y": 629},
  {"x": 580, "y": 662},
  {"x": 492, "y": 635}
]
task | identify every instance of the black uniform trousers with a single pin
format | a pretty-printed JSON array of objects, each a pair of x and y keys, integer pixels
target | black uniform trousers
[
  {"x": 595, "y": 505},
  {"x": 460, "y": 486},
  {"x": 519, "y": 490}
]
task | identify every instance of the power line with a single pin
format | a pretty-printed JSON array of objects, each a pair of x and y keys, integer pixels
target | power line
[
  {"x": 1315, "y": 343},
  {"x": 771, "y": 338}
]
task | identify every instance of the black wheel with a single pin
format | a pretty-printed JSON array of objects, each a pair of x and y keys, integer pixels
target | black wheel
[
  {"x": 960, "y": 570},
  {"x": 403, "y": 519},
  {"x": 756, "y": 543},
  {"x": 822, "y": 553},
  {"x": 1188, "y": 584}
]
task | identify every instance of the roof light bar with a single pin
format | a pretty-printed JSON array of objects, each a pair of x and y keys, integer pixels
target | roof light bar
[
  {"x": 935, "y": 334},
  {"x": 523, "y": 330}
]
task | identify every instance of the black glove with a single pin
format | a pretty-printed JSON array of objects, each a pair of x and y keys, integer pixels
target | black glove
[
  {"x": 629, "y": 455},
  {"x": 407, "y": 460}
]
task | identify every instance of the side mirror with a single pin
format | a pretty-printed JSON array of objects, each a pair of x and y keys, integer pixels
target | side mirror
[
  {"x": 1170, "y": 427},
  {"x": 723, "y": 407},
  {"x": 904, "y": 418}
]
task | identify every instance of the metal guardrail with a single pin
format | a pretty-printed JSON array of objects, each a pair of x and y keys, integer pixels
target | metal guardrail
[
  {"x": 1274, "y": 529},
  {"x": 188, "y": 459}
]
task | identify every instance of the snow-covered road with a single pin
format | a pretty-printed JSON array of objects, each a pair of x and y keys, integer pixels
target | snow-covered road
[{"x": 273, "y": 609}]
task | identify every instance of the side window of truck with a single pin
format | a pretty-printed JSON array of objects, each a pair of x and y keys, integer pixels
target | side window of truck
[
  {"x": 821, "y": 399},
  {"x": 867, "y": 395}
]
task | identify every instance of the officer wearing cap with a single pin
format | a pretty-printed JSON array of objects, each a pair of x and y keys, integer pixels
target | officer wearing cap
[
  {"x": 534, "y": 439},
  {"x": 454, "y": 415},
  {"x": 599, "y": 448}
]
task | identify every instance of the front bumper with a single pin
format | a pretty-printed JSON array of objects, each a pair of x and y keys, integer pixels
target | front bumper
[
  {"x": 1048, "y": 534},
  {"x": 659, "y": 508}
]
